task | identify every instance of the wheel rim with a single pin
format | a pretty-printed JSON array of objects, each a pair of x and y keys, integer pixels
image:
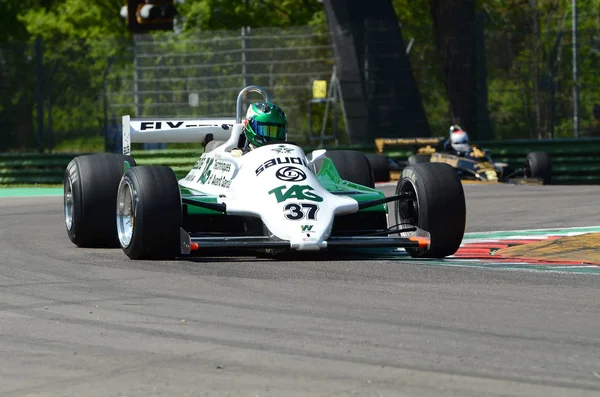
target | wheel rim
[
  {"x": 125, "y": 214},
  {"x": 69, "y": 203},
  {"x": 407, "y": 211}
]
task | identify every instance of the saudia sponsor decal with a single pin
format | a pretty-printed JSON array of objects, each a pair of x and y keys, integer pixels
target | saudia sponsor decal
[{"x": 280, "y": 160}]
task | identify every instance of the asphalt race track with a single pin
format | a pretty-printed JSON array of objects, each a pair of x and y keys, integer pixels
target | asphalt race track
[{"x": 77, "y": 322}]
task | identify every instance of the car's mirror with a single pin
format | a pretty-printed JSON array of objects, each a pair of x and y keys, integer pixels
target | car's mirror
[{"x": 315, "y": 154}]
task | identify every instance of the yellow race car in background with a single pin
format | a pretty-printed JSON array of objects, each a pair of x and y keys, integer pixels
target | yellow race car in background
[{"x": 475, "y": 164}]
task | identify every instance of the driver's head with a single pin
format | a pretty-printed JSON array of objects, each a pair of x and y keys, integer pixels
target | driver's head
[
  {"x": 459, "y": 139},
  {"x": 455, "y": 127},
  {"x": 265, "y": 122}
]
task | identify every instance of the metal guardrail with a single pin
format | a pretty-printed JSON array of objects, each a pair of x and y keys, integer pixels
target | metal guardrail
[{"x": 574, "y": 161}]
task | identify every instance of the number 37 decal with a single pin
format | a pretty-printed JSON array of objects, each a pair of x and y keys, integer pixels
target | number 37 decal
[{"x": 295, "y": 212}]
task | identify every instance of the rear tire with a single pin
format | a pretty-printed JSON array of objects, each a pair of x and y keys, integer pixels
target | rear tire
[
  {"x": 353, "y": 166},
  {"x": 380, "y": 166},
  {"x": 90, "y": 194},
  {"x": 439, "y": 207},
  {"x": 149, "y": 213},
  {"x": 540, "y": 166},
  {"x": 418, "y": 159},
  {"x": 212, "y": 145}
]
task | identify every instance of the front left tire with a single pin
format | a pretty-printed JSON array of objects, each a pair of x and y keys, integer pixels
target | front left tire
[{"x": 149, "y": 213}]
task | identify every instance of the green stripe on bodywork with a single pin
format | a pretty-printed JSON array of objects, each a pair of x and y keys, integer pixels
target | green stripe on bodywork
[
  {"x": 330, "y": 179},
  {"x": 195, "y": 210}
]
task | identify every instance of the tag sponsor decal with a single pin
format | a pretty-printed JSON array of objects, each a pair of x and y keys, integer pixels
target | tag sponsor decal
[{"x": 298, "y": 192}]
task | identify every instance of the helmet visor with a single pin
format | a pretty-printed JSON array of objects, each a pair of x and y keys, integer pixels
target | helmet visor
[{"x": 269, "y": 131}]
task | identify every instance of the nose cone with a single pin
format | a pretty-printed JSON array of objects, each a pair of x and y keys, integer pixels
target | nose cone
[{"x": 278, "y": 184}]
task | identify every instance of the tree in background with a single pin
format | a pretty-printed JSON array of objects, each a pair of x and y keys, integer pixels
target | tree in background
[
  {"x": 528, "y": 62},
  {"x": 80, "y": 37},
  {"x": 225, "y": 14},
  {"x": 528, "y": 55},
  {"x": 16, "y": 109},
  {"x": 529, "y": 51}
]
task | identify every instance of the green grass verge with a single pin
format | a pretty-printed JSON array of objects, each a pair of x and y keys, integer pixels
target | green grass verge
[{"x": 33, "y": 185}]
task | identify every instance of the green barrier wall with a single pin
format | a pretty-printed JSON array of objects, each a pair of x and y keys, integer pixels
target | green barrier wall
[{"x": 574, "y": 161}]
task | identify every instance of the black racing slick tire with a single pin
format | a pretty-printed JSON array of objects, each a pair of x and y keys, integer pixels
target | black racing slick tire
[
  {"x": 540, "y": 166},
  {"x": 149, "y": 213},
  {"x": 418, "y": 159},
  {"x": 438, "y": 207},
  {"x": 353, "y": 166},
  {"x": 380, "y": 166},
  {"x": 212, "y": 145},
  {"x": 90, "y": 194}
]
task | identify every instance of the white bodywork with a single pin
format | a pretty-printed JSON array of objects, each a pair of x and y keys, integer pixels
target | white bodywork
[
  {"x": 296, "y": 209},
  {"x": 275, "y": 183}
]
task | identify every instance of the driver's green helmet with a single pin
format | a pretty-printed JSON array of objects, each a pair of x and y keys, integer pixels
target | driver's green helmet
[{"x": 265, "y": 122}]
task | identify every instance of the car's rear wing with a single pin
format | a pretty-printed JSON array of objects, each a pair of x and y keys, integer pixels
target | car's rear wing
[
  {"x": 142, "y": 130},
  {"x": 416, "y": 144},
  {"x": 156, "y": 130}
]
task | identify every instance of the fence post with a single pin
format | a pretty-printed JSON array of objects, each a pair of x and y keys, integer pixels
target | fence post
[
  {"x": 39, "y": 92},
  {"x": 50, "y": 103},
  {"x": 107, "y": 144},
  {"x": 136, "y": 77},
  {"x": 575, "y": 74},
  {"x": 245, "y": 32}
]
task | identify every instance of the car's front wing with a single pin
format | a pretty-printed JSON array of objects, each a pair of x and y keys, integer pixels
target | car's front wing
[{"x": 191, "y": 244}]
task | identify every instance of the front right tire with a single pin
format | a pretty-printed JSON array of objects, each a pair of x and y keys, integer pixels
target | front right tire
[{"x": 438, "y": 207}]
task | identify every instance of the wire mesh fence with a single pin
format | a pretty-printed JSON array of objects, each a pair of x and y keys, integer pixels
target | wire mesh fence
[{"x": 201, "y": 77}]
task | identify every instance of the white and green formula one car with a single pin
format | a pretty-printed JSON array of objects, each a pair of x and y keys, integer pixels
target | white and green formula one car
[{"x": 272, "y": 199}]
